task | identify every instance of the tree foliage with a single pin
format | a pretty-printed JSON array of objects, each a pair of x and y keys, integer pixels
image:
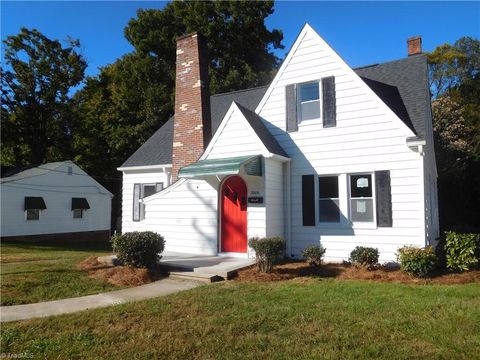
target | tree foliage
[
  {"x": 37, "y": 117},
  {"x": 452, "y": 65},
  {"x": 454, "y": 72},
  {"x": 134, "y": 96}
]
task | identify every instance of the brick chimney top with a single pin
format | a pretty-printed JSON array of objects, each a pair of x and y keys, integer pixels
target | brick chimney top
[
  {"x": 414, "y": 45},
  {"x": 192, "y": 124}
]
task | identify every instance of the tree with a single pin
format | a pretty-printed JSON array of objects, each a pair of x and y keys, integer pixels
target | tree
[
  {"x": 452, "y": 65},
  {"x": 455, "y": 76},
  {"x": 37, "y": 117},
  {"x": 138, "y": 89},
  {"x": 130, "y": 99}
]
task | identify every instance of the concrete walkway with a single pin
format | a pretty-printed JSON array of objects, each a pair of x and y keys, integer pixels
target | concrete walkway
[{"x": 66, "y": 306}]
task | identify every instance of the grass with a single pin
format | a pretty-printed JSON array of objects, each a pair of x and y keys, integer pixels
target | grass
[
  {"x": 311, "y": 319},
  {"x": 33, "y": 273}
]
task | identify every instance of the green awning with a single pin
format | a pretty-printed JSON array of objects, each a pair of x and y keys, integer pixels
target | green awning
[
  {"x": 33, "y": 203},
  {"x": 228, "y": 166}
]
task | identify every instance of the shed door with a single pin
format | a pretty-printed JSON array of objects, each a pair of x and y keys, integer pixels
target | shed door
[{"x": 234, "y": 215}]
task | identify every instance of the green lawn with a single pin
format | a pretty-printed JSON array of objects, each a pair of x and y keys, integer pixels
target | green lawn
[
  {"x": 33, "y": 273},
  {"x": 307, "y": 319}
]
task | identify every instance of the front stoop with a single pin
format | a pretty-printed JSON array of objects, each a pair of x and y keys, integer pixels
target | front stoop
[
  {"x": 196, "y": 276},
  {"x": 222, "y": 271}
]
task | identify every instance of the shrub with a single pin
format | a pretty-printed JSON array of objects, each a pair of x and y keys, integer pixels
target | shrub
[
  {"x": 267, "y": 250},
  {"x": 419, "y": 262},
  {"x": 138, "y": 249},
  {"x": 364, "y": 256},
  {"x": 462, "y": 250},
  {"x": 314, "y": 254}
]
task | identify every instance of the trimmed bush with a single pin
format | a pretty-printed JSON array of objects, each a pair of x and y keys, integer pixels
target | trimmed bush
[
  {"x": 364, "y": 256},
  {"x": 314, "y": 254},
  {"x": 138, "y": 249},
  {"x": 267, "y": 250},
  {"x": 419, "y": 262},
  {"x": 462, "y": 251}
]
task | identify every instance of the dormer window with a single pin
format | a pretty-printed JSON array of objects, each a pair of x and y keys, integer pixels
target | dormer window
[{"x": 308, "y": 101}]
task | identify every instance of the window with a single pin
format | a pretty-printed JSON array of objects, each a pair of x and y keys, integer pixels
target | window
[
  {"x": 328, "y": 203},
  {"x": 77, "y": 213},
  {"x": 361, "y": 198},
  {"x": 33, "y": 214},
  {"x": 141, "y": 191},
  {"x": 308, "y": 101}
]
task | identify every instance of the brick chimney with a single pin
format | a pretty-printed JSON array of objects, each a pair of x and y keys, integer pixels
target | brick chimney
[
  {"x": 414, "y": 45},
  {"x": 192, "y": 125}
]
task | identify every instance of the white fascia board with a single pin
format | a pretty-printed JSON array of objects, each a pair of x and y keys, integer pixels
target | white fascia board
[
  {"x": 164, "y": 191},
  {"x": 232, "y": 110},
  {"x": 145, "y": 167}
]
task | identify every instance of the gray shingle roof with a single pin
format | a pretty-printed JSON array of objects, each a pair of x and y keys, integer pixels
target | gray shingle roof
[
  {"x": 157, "y": 150},
  {"x": 401, "y": 84},
  {"x": 261, "y": 130},
  {"x": 410, "y": 77}
]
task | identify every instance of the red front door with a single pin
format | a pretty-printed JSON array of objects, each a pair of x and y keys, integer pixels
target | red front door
[{"x": 234, "y": 215}]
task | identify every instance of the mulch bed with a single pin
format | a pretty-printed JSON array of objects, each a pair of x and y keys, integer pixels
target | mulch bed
[
  {"x": 301, "y": 269},
  {"x": 119, "y": 275}
]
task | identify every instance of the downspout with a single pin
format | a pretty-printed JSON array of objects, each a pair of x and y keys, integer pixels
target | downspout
[{"x": 288, "y": 208}]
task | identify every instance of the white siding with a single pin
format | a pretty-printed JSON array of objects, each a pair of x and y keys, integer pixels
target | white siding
[
  {"x": 274, "y": 198},
  {"x": 235, "y": 138},
  {"x": 129, "y": 179},
  {"x": 57, "y": 189},
  {"x": 186, "y": 215},
  {"x": 367, "y": 137}
]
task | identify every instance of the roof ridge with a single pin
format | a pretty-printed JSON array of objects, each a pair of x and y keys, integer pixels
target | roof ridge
[
  {"x": 390, "y": 61},
  {"x": 241, "y": 90}
]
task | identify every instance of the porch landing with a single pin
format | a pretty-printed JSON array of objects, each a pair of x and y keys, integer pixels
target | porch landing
[{"x": 202, "y": 268}]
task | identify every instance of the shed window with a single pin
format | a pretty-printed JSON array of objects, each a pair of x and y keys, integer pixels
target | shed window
[
  {"x": 308, "y": 101},
  {"x": 328, "y": 203},
  {"x": 78, "y": 213},
  {"x": 33, "y": 214},
  {"x": 361, "y": 198}
]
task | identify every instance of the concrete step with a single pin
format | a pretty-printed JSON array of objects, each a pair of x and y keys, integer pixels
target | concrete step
[{"x": 197, "y": 276}]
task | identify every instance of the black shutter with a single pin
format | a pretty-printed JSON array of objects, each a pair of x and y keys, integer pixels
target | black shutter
[
  {"x": 136, "y": 202},
  {"x": 291, "y": 107},
  {"x": 329, "y": 103},
  {"x": 308, "y": 200},
  {"x": 384, "y": 198}
]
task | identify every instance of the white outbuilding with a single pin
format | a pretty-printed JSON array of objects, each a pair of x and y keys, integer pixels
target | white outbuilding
[{"x": 53, "y": 202}]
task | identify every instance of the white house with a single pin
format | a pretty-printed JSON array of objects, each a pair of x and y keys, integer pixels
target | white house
[
  {"x": 325, "y": 154},
  {"x": 56, "y": 202}
]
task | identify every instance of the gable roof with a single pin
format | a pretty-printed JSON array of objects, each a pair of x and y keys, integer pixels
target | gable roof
[
  {"x": 26, "y": 172},
  {"x": 401, "y": 84},
  {"x": 157, "y": 150},
  {"x": 262, "y": 132},
  {"x": 410, "y": 77}
]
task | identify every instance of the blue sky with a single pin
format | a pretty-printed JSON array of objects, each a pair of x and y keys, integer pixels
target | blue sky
[{"x": 361, "y": 32}]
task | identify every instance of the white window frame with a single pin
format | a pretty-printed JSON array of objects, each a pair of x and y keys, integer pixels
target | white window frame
[
  {"x": 79, "y": 217},
  {"x": 300, "y": 121},
  {"x": 26, "y": 215},
  {"x": 362, "y": 224},
  {"x": 142, "y": 196}
]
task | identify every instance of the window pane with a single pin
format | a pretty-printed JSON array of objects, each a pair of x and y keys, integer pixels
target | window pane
[
  {"x": 361, "y": 186},
  {"x": 309, "y": 92},
  {"x": 329, "y": 211},
  {"x": 328, "y": 187},
  {"x": 310, "y": 110},
  {"x": 33, "y": 214},
  {"x": 148, "y": 190},
  {"x": 78, "y": 213},
  {"x": 362, "y": 210}
]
